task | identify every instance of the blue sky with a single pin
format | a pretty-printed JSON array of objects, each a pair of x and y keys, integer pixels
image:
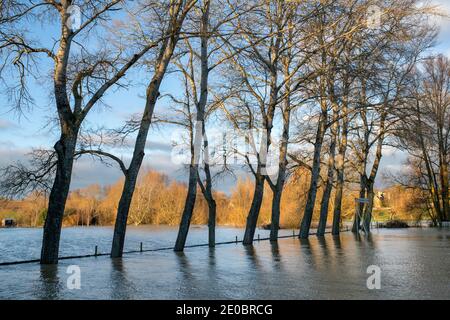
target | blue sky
[{"x": 20, "y": 133}]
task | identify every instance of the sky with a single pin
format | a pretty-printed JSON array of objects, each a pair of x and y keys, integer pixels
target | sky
[{"x": 21, "y": 132}]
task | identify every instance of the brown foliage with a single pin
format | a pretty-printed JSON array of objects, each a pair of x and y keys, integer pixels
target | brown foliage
[{"x": 157, "y": 200}]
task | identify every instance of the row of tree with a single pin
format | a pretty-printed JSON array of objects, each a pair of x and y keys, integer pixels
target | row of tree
[{"x": 335, "y": 79}]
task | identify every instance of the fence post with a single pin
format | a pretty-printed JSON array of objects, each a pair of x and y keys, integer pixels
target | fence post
[
  {"x": 96, "y": 250},
  {"x": 141, "y": 247},
  {"x": 236, "y": 239},
  {"x": 258, "y": 237}
]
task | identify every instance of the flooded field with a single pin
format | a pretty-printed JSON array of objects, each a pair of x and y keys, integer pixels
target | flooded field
[
  {"x": 414, "y": 264},
  {"x": 18, "y": 244}
]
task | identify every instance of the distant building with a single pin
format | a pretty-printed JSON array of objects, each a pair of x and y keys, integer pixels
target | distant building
[{"x": 8, "y": 223}]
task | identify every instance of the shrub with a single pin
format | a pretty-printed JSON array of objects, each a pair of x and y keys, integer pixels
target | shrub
[{"x": 396, "y": 224}]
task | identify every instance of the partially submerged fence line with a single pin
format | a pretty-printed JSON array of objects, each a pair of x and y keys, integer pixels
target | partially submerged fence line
[{"x": 141, "y": 248}]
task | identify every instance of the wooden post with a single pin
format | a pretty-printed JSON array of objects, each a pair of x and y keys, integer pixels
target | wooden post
[
  {"x": 258, "y": 236},
  {"x": 293, "y": 233},
  {"x": 96, "y": 250},
  {"x": 141, "y": 247},
  {"x": 236, "y": 239}
]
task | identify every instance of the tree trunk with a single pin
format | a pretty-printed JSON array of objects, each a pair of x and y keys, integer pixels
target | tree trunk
[
  {"x": 444, "y": 187},
  {"x": 135, "y": 165},
  {"x": 138, "y": 153},
  {"x": 188, "y": 209},
  {"x": 324, "y": 205},
  {"x": 196, "y": 142},
  {"x": 340, "y": 173},
  {"x": 369, "y": 207},
  {"x": 275, "y": 221},
  {"x": 362, "y": 194},
  {"x": 123, "y": 209},
  {"x": 253, "y": 214},
  {"x": 370, "y": 182},
  {"x": 211, "y": 223},
  {"x": 152, "y": 94},
  {"x": 207, "y": 192},
  {"x": 65, "y": 149},
  {"x": 340, "y": 163},
  {"x": 315, "y": 175},
  {"x": 338, "y": 202},
  {"x": 282, "y": 168},
  {"x": 431, "y": 177},
  {"x": 330, "y": 175},
  {"x": 209, "y": 196}
]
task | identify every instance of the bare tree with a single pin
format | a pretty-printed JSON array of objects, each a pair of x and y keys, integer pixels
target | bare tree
[
  {"x": 388, "y": 91},
  {"x": 269, "y": 69},
  {"x": 423, "y": 132},
  {"x": 174, "y": 13},
  {"x": 338, "y": 24},
  {"x": 80, "y": 80}
]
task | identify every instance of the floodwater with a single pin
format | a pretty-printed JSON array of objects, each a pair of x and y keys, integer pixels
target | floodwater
[
  {"x": 414, "y": 264},
  {"x": 17, "y": 244}
]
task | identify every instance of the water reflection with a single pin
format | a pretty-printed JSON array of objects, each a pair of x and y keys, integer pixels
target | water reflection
[
  {"x": 121, "y": 286},
  {"x": 357, "y": 236},
  {"x": 337, "y": 242},
  {"x": 369, "y": 240},
  {"x": 275, "y": 250},
  {"x": 188, "y": 282},
  {"x": 318, "y": 253},
  {"x": 323, "y": 245},
  {"x": 252, "y": 256},
  {"x": 414, "y": 265},
  {"x": 49, "y": 285},
  {"x": 183, "y": 263},
  {"x": 304, "y": 242},
  {"x": 277, "y": 264},
  {"x": 212, "y": 257}
]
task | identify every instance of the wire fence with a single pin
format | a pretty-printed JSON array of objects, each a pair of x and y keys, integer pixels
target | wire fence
[{"x": 142, "y": 250}]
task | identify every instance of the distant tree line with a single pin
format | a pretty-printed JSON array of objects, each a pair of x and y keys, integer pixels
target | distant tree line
[{"x": 159, "y": 201}]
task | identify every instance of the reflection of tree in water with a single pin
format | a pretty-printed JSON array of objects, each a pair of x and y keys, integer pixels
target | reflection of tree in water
[
  {"x": 121, "y": 286},
  {"x": 337, "y": 243},
  {"x": 252, "y": 257},
  {"x": 275, "y": 250},
  {"x": 189, "y": 285},
  {"x": 318, "y": 253},
  {"x": 212, "y": 257},
  {"x": 49, "y": 285}
]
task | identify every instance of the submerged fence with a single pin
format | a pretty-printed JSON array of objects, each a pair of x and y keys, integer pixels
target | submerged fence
[{"x": 142, "y": 250}]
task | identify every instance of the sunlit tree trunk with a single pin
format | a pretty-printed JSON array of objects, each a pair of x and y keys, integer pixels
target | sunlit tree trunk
[
  {"x": 207, "y": 192},
  {"x": 198, "y": 137},
  {"x": 281, "y": 178},
  {"x": 330, "y": 174},
  {"x": 65, "y": 149},
  {"x": 177, "y": 13},
  {"x": 253, "y": 214},
  {"x": 340, "y": 165}
]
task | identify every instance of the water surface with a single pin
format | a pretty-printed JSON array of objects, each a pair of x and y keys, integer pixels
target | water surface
[
  {"x": 17, "y": 244},
  {"x": 414, "y": 265}
]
